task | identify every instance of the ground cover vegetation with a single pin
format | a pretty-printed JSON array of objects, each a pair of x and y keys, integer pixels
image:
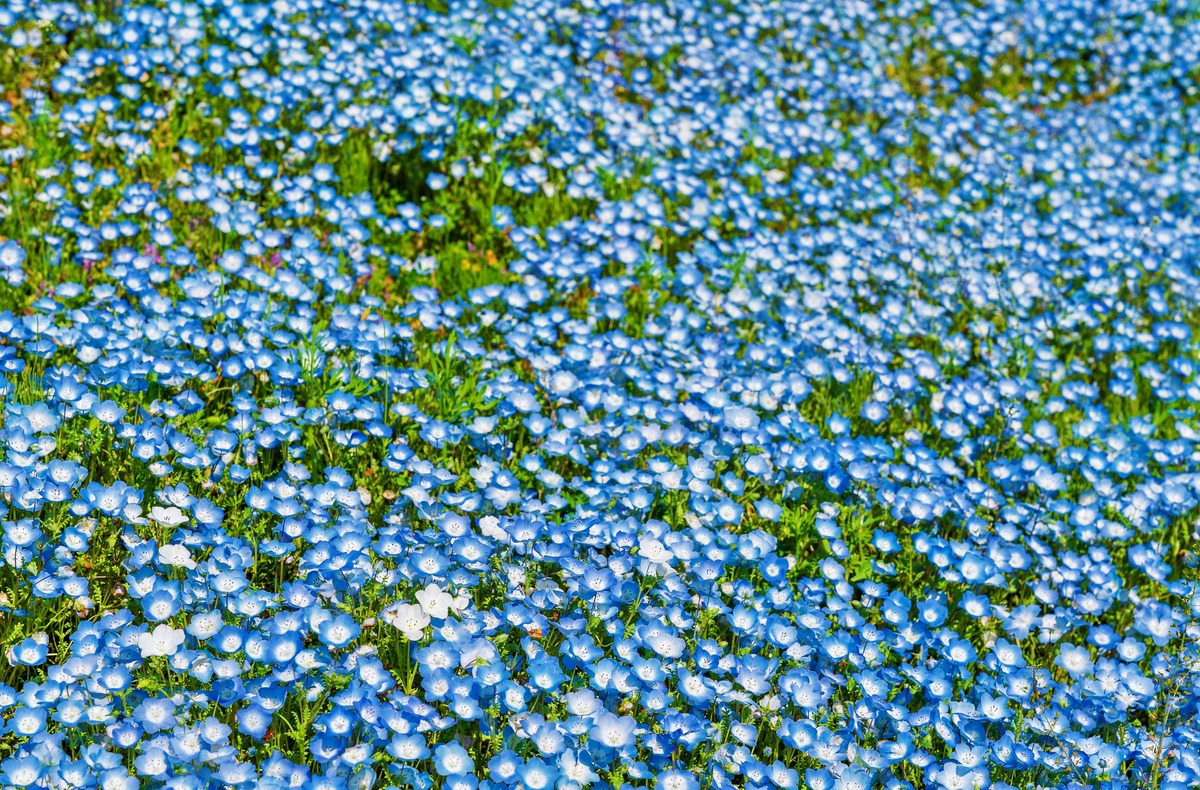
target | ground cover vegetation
[{"x": 599, "y": 395}]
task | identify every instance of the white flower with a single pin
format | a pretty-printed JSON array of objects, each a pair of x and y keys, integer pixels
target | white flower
[
  {"x": 162, "y": 641},
  {"x": 437, "y": 604},
  {"x": 409, "y": 618},
  {"x": 654, "y": 551},
  {"x": 174, "y": 554},
  {"x": 168, "y": 516}
]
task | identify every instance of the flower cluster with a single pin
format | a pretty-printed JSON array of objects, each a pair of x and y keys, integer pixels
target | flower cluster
[{"x": 596, "y": 395}]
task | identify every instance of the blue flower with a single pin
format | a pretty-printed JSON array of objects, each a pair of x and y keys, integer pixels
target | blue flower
[
  {"x": 1075, "y": 660},
  {"x": 23, "y": 771},
  {"x": 339, "y": 631},
  {"x": 613, "y": 732},
  {"x": 254, "y": 720},
  {"x": 450, "y": 759},
  {"x": 745, "y": 407},
  {"x": 12, "y": 256},
  {"x": 537, "y": 774},
  {"x": 30, "y": 651}
]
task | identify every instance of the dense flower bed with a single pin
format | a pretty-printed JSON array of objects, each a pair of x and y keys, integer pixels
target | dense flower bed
[{"x": 487, "y": 396}]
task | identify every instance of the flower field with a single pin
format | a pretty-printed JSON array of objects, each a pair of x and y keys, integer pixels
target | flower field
[{"x": 593, "y": 395}]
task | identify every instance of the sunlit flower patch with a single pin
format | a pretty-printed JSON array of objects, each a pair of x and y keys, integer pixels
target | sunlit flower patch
[{"x": 517, "y": 395}]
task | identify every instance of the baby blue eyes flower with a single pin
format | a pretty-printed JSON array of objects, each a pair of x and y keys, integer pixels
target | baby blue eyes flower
[
  {"x": 451, "y": 759},
  {"x": 205, "y": 625},
  {"x": 284, "y": 648},
  {"x": 741, "y": 419},
  {"x": 885, "y": 542},
  {"x": 545, "y": 674},
  {"x": 536, "y": 774},
  {"x": 613, "y": 732},
  {"x": 21, "y": 533},
  {"x": 502, "y": 217},
  {"x": 931, "y": 613},
  {"x": 768, "y": 510},
  {"x": 461, "y": 782},
  {"x": 152, "y": 762},
  {"x": 22, "y": 771},
  {"x": 254, "y": 721},
  {"x": 874, "y": 412},
  {"x": 159, "y": 605},
  {"x": 155, "y": 715},
  {"x": 30, "y": 651},
  {"x": 409, "y": 748},
  {"x": 118, "y": 779},
  {"x": 108, "y": 412},
  {"x": 504, "y": 767},
  {"x": 694, "y": 437},
  {"x": 746, "y": 733},
  {"x": 339, "y": 631},
  {"x": 12, "y": 256},
  {"x": 674, "y": 779}
]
